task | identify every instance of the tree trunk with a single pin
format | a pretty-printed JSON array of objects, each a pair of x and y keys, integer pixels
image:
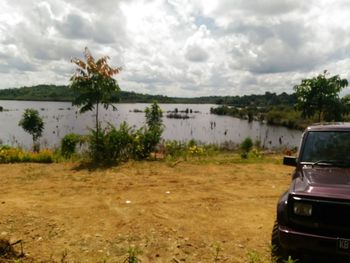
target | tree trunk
[
  {"x": 96, "y": 117},
  {"x": 97, "y": 131},
  {"x": 96, "y": 120}
]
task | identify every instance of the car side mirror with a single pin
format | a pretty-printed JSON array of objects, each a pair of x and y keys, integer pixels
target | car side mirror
[{"x": 290, "y": 160}]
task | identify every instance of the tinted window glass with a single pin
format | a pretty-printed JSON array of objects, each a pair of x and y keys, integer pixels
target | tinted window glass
[{"x": 326, "y": 146}]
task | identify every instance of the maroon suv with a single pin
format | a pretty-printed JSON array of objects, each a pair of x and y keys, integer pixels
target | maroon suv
[{"x": 313, "y": 216}]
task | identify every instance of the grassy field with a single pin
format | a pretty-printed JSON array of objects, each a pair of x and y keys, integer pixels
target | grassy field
[{"x": 217, "y": 209}]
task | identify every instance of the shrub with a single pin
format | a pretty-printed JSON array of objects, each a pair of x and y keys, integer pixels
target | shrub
[
  {"x": 153, "y": 116},
  {"x": 15, "y": 155},
  {"x": 145, "y": 141},
  {"x": 111, "y": 145},
  {"x": 147, "y": 138},
  {"x": 174, "y": 149},
  {"x": 44, "y": 156},
  {"x": 196, "y": 150},
  {"x": 247, "y": 145},
  {"x": 118, "y": 142},
  {"x": 254, "y": 154},
  {"x": 69, "y": 143},
  {"x": 10, "y": 155}
]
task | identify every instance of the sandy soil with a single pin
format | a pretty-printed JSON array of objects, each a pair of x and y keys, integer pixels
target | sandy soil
[{"x": 192, "y": 212}]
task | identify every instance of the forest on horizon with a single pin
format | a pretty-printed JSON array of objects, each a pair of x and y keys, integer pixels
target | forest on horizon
[{"x": 64, "y": 93}]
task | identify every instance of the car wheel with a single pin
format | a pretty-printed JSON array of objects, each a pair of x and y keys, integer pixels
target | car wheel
[{"x": 278, "y": 253}]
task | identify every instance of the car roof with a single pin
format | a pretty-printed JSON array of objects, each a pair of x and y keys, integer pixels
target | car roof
[{"x": 329, "y": 126}]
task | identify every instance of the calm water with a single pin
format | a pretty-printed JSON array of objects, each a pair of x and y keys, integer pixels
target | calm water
[{"x": 61, "y": 118}]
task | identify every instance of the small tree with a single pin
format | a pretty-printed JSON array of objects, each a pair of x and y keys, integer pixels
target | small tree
[
  {"x": 320, "y": 96},
  {"x": 246, "y": 145},
  {"x": 32, "y": 123},
  {"x": 154, "y": 116},
  {"x": 147, "y": 138},
  {"x": 93, "y": 84}
]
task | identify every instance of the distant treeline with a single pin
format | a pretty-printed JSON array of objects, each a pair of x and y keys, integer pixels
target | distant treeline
[{"x": 63, "y": 93}]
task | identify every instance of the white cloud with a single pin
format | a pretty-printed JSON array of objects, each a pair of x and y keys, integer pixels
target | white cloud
[{"x": 177, "y": 47}]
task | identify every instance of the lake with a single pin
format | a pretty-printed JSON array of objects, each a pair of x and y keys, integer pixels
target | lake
[{"x": 61, "y": 118}]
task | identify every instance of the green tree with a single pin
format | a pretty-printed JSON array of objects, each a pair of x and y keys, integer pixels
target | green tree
[
  {"x": 320, "y": 96},
  {"x": 154, "y": 116},
  {"x": 150, "y": 136},
  {"x": 93, "y": 84},
  {"x": 32, "y": 123}
]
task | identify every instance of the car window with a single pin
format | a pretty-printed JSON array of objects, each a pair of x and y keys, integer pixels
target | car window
[{"x": 325, "y": 146}]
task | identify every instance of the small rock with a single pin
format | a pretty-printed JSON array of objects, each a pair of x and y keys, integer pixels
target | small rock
[{"x": 4, "y": 233}]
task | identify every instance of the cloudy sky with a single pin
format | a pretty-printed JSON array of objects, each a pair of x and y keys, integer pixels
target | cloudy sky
[{"x": 177, "y": 47}]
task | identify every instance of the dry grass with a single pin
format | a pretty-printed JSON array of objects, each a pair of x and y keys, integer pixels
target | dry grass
[{"x": 193, "y": 211}]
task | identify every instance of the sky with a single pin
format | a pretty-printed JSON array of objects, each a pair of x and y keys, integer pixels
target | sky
[{"x": 177, "y": 48}]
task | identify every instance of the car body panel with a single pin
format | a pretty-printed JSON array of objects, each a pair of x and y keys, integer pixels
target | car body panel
[
  {"x": 332, "y": 182},
  {"x": 326, "y": 187}
]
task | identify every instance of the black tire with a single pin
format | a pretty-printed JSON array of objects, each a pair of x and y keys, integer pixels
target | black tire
[{"x": 278, "y": 253}]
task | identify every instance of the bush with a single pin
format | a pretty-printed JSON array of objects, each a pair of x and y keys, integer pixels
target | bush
[
  {"x": 118, "y": 143},
  {"x": 247, "y": 145},
  {"x": 153, "y": 116},
  {"x": 111, "y": 145},
  {"x": 69, "y": 143},
  {"x": 175, "y": 149},
  {"x": 10, "y": 155},
  {"x": 254, "y": 154},
  {"x": 44, "y": 156},
  {"x": 15, "y": 155},
  {"x": 145, "y": 141},
  {"x": 196, "y": 150}
]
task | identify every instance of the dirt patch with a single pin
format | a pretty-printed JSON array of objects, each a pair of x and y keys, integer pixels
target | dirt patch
[{"x": 191, "y": 212}]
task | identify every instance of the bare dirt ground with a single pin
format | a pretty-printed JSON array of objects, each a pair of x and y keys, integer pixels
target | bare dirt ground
[{"x": 191, "y": 212}]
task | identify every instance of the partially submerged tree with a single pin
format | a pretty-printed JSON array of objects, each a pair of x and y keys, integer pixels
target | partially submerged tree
[
  {"x": 93, "y": 84},
  {"x": 320, "y": 96},
  {"x": 32, "y": 123}
]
